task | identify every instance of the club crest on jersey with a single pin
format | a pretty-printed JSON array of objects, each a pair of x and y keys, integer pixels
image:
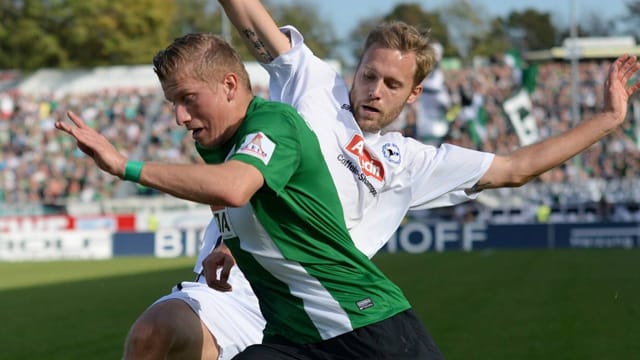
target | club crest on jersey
[
  {"x": 391, "y": 152},
  {"x": 258, "y": 145},
  {"x": 370, "y": 165}
]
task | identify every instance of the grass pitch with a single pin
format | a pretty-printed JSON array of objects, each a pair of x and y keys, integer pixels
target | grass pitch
[{"x": 562, "y": 304}]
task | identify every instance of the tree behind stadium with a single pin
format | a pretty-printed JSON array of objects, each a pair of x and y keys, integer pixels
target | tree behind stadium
[
  {"x": 73, "y": 33},
  {"x": 87, "y": 33}
]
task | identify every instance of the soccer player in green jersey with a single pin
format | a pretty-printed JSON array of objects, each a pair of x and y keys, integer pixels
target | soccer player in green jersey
[{"x": 321, "y": 297}]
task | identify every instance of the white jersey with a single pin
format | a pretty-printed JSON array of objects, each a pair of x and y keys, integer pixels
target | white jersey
[
  {"x": 393, "y": 174},
  {"x": 378, "y": 177}
]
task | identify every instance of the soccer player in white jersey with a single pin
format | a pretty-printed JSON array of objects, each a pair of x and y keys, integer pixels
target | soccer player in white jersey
[{"x": 389, "y": 169}]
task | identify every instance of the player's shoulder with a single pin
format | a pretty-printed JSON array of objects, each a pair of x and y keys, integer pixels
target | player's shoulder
[
  {"x": 397, "y": 149},
  {"x": 260, "y": 106},
  {"x": 266, "y": 110},
  {"x": 400, "y": 140}
]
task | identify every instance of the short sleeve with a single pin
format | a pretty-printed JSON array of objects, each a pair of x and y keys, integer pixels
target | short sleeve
[{"x": 269, "y": 141}]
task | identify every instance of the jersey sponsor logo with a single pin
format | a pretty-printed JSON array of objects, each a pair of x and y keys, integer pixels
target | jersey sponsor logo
[
  {"x": 258, "y": 145},
  {"x": 370, "y": 165},
  {"x": 346, "y": 162},
  {"x": 224, "y": 225},
  {"x": 391, "y": 152},
  {"x": 364, "y": 303}
]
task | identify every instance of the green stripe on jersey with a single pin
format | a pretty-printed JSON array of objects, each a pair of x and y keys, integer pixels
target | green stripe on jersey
[{"x": 311, "y": 281}]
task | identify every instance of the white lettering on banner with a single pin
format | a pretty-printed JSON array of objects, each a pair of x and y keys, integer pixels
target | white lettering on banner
[
  {"x": 171, "y": 243},
  {"x": 446, "y": 232},
  {"x": 61, "y": 245},
  {"x": 24, "y": 224},
  {"x": 419, "y": 247},
  {"x": 473, "y": 232},
  {"x": 168, "y": 243},
  {"x": 192, "y": 239},
  {"x": 416, "y": 237},
  {"x": 603, "y": 237}
]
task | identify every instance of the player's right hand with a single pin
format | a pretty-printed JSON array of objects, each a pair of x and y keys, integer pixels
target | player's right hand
[{"x": 217, "y": 267}]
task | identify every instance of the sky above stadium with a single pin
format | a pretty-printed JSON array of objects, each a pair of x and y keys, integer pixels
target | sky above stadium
[{"x": 344, "y": 14}]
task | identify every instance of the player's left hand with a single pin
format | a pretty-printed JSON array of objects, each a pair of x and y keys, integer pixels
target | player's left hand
[{"x": 616, "y": 89}]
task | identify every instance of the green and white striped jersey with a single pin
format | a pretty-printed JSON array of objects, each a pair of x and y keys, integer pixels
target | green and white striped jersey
[{"x": 291, "y": 241}]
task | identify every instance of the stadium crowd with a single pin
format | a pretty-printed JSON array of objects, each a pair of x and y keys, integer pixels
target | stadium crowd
[{"x": 42, "y": 166}]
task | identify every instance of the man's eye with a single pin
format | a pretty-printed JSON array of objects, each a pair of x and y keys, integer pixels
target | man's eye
[
  {"x": 188, "y": 99},
  {"x": 368, "y": 76}
]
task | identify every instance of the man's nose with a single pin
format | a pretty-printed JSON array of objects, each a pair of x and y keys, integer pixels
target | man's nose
[
  {"x": 375, "y": 89},
  {"x": 182, "y": 115}
]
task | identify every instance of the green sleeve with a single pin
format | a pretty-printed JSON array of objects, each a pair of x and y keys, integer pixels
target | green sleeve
[{"x": 269, "y": 141}]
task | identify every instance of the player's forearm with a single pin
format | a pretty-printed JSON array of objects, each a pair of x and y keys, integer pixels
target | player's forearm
[
  {"x": 229, "y": 184},
  {"x": 528, "y": 162},
  {"x": 257, "y": 29}
]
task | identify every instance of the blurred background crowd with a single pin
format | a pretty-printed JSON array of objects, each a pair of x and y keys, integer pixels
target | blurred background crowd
[
  {"x": 464, "y": 102},
  {"x": 41, "y": 165}
]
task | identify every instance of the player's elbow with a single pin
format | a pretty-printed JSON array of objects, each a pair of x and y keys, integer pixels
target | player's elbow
[
  {"x": 506, "y": 172},
  {"x": 239, "y": 181},
  {"x": 518, "y": 180},
  {"x": 238, "y": 198}
]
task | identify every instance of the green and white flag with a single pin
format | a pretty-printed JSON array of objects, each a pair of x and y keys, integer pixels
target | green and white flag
[
  {"x": 518, "y": 110},
  {"x": 477, "y": 125},
  {"x": 518, "y": 107}
]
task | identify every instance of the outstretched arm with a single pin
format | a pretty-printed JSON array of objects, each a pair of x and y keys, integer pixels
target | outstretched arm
[
  {"x": 231, "y": 183},
  {"x": 258, "y": 30},
  {"x": 528, "y": 162}
]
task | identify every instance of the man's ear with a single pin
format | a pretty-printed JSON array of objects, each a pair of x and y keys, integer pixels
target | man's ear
[
  {"x": 230, "y": 85},
  {"x": 415, "y": 92}
]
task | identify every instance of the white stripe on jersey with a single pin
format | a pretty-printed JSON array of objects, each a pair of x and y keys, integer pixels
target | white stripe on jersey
[{"x": 323, "y": 310}]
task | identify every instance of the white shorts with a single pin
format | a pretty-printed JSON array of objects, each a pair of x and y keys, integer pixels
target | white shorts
[{"x": 234, "y": 317}]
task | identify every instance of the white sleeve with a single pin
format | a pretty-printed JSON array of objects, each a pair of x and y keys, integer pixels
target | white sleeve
[
  {"x": 298, "y": 72},
  {"x": 441, "y": 175}
]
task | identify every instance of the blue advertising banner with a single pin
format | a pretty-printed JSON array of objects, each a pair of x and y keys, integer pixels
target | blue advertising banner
[
  {"x": 165, "y": 243},
  {"x": 418, "y": 237},
  {"x": 608, "y": 235}
]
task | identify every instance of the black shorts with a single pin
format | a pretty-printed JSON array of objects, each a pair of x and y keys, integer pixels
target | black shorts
[{"x": 399, "y": 337}]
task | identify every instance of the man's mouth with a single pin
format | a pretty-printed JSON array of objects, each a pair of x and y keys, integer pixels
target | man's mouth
[
  {"x": 195, "y": 133},
  {"x": 368, "y": 108}
]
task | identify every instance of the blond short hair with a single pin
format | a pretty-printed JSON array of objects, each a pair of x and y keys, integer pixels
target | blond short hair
[
  {"x": 204, "y": 56},
  {"x": 401, "y": 36}
]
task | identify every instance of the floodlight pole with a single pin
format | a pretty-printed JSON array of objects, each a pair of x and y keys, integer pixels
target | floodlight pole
[
  {"x": 575, "y": 56},
  {"x": 226, "y": 27},
  {"x": 574, "y": 53}
]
